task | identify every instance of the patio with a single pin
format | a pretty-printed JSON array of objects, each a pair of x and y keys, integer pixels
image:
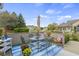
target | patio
[
  {"x": 72, "y": 46},
  {"x": 44, "y": 48}
]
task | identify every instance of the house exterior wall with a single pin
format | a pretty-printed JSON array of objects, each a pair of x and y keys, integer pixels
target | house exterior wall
[
  {"x": 75, "y": 24},
  {"x": 70, "y": 28},
  {"x": 65, "y": 29}
]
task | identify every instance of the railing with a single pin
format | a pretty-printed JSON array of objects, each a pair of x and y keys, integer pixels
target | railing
[{"x": 7, "y": 44}]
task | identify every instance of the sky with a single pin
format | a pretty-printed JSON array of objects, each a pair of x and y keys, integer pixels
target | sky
[{"x": 49, "y": 12}]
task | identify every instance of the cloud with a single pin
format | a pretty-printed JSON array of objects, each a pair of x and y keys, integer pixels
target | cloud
[
  {"x": 43, "y": 16},
  {"x": 31, "y": 21},
  {"x": 68, "y": 16},
  {"x": 46, "y": 17},
  {"x": 58, "y": 12},
  {"x": 68, "y": 6},
  {"x": 51, "y": 11},
  {"x": 38, "y": 4},
  {"x": 61, "y": 19},
  {"x": 64, "y": 17}
]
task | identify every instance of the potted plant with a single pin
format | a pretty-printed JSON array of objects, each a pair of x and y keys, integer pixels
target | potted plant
[{"x": 26, "y": 50}]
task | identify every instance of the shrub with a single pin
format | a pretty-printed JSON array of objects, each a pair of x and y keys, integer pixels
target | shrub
[
  {"x": 67, "y": 37},
  {"x": 0, "y": 32},
  {"x": 48, "y": 33},
  {"x": 75, "y": 37},
  {"x": 71, "y": 36},
  {"x": 26, "y": 51},
  {"x": 21, "y": 30}
]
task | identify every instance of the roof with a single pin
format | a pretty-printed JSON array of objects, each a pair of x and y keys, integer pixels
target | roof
[
  {"x": 64, "y": 25},
  {"x": 72, "y": 21},
  {"x": 69, "y": 23}
]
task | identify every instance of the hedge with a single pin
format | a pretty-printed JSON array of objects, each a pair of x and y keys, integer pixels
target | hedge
[
  {"x": 21, "y": 30},
  {"x": 75, "y": 37}
]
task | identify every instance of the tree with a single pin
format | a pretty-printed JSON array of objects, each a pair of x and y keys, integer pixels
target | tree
[
  {"x": 75, "y": 30},
  {"x": 21, "y": 22},
  {"x": 7, "y": 20},
  {"x": 4, "y": 17},
  {"x": 52, "y": 27},
  {"x": 12, "y": 21},
  {"x": 15, "y": 21}
]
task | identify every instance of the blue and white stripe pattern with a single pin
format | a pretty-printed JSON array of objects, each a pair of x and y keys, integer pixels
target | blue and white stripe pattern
[
  {"x": 16, "y": 50},
  {"x": 50, "y": 51},
  {"x": 44, "y": 51}
]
